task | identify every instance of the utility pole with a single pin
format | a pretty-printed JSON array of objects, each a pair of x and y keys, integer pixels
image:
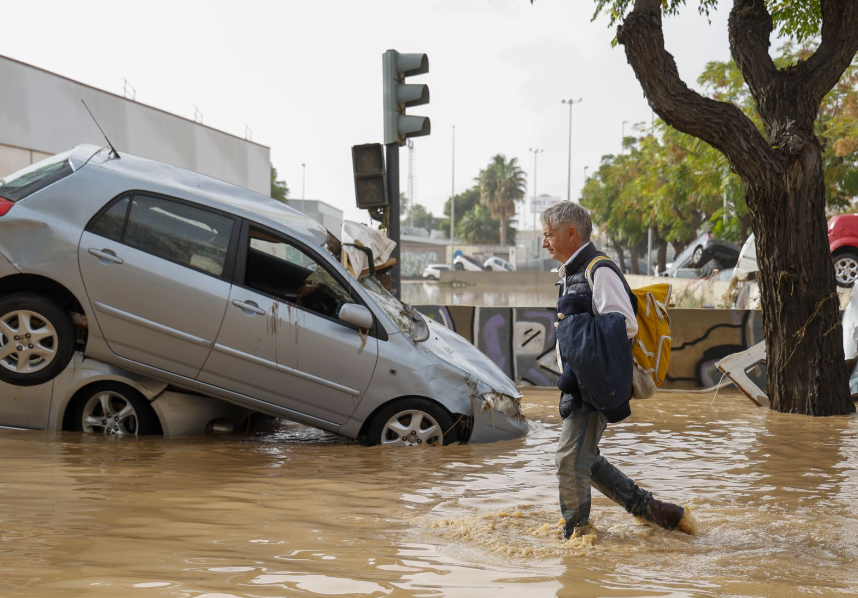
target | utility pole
[
  {"x": 453, "y": 201},
  {"x": 410, "y": 146},
  {"x": 623, "y": 143},
  {"x": 536, "y": 152},
  {"x": 303, "y": 179},
  {"x": 569, "y": 172}
]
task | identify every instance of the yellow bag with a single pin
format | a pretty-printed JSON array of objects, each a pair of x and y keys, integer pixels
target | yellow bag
[{"x": 651, "y": 348}]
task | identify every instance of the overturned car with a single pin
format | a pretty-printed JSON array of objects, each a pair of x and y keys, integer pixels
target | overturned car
[{"x": 218, "y": 291}]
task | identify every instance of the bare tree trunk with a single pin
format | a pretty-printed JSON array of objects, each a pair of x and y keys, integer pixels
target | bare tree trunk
[
  {"x": 800, "y": 303},
  {"x": 635, "y": 266},
  {"x": 502, "y": 219},
  {"x": 661, "y": 253},
  {"x": 618, "y": 247}
]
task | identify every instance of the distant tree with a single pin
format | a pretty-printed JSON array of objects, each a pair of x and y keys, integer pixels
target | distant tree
[
  {"x": 279, "y": 189},
  {"x": 474, "y": 223},
  {"x": 502, "y": 184},
  {"x": 417, "y": 215}
]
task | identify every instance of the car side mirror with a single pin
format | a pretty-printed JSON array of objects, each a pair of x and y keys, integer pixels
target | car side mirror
[{"x": 357, "y": 315}]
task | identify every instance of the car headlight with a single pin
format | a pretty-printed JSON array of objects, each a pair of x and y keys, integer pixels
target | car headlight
[{"x": 506, "y": 404}]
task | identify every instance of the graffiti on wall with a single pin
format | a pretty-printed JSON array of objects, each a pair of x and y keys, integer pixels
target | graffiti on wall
[
  {"x": 414, "y": 262},
  {"x": 521, "y": 341}
]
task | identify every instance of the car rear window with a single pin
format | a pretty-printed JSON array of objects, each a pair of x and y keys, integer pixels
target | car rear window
[{"x": 23, "y": 183}]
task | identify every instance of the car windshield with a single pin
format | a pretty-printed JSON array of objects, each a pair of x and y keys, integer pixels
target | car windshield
[{"x": 406, "y": 318}]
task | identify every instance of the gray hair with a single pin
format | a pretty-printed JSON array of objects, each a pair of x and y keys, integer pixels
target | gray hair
[{"x": 566, "y": 214}]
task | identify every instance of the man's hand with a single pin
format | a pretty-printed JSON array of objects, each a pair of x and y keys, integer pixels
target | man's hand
[{"x": 559, "y": 317}]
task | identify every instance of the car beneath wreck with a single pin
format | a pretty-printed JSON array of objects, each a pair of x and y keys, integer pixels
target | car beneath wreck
[{"x": 218, "y": 291}]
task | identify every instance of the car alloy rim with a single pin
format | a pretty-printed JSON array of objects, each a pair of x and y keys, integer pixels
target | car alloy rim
[
  {"x": 698, "y": 255},
  {"x": 412, "y": 428},
  {"x": 846, "y": 270},
  {"x": 109, "y": 413},
  {"x": 28, "y": 342}
]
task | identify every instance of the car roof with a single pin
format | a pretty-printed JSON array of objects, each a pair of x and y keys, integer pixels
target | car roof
[{"x": 150, "y": 175}]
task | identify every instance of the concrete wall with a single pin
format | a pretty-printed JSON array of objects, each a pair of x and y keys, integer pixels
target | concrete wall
[
  {"x": 41, "y": 112},
  {"x": 521, "y": 341}
]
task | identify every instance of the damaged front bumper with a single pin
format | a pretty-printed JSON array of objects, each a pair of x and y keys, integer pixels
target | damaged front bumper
[{"x": 496, "y": 417}]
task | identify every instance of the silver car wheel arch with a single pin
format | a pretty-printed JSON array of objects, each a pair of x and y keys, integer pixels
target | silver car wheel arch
[
  {"x": 19, "y": 345},
  {"x": 412, "y": 433},
  {"x": 117, "y": 415},
  {"x": 845, "y": 269}
]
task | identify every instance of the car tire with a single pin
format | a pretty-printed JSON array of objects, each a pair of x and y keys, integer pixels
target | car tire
[
  {"x": 46, "y": 334},
  {"x": 846, "y": 267},
  {"x": 459, "y": 266},
  {"x": 114, "y": 409},
  {"x": 431, "y": 277},
  {"x": 412, "y": 422},
  {"x": 697, "y": 257}
]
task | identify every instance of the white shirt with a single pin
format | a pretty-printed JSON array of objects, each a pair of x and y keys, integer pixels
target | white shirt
[{"x": 609, "y": 294}]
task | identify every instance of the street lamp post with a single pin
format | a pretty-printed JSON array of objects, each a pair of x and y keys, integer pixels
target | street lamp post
[
  {"x": 586, "y": 168},
  {"x": 303, "y": 179},
  {"x": 569, "y": 172},
  {"x": 536, "y": 152},
  {"x": 453, "y": 201},
  {"x": 623, "y": 143}
]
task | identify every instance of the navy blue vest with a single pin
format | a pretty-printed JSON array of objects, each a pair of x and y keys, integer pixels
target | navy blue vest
[{"x": 576, "y": 279}]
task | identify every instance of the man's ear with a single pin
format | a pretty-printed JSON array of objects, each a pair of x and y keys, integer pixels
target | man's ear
[{"x": 571, "y": 232}]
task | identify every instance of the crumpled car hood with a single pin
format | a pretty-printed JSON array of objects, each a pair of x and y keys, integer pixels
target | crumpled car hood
[{"x": 458, "y": 352}]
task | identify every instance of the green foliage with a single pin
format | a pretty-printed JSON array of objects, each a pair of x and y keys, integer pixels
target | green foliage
[
  {"x": 676, "y": 183},
  {"x": 279, "y": 189},
  {"x": 795, "y": 19},
  {"x": 417, "y": 215}
]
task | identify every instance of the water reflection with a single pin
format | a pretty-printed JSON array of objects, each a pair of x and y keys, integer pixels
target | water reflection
[
  {"x": 296, "y": 512},
  {"x": 432, "y": 293}
]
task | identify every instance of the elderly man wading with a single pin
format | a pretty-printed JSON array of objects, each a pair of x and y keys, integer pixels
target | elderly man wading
[{"x": 608, "y": 312}]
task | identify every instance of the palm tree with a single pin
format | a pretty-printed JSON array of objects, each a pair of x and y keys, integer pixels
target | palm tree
[{"x": 502, "y": 184}]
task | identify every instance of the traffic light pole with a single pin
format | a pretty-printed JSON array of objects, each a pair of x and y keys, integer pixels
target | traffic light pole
[{"x": 392, "y": 155}]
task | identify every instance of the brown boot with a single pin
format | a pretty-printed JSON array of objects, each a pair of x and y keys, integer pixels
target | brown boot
[{"x": 663, "y": 514}]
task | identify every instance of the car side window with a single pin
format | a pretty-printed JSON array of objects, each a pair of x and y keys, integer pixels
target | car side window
[
  {"x": 280, "y": 269},
  {"x": 111, "y": 223},
  {"x": 168, "y": 229}
]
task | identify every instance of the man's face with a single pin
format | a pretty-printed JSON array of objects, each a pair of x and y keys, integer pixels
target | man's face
[{"x": 561, "y": 242}]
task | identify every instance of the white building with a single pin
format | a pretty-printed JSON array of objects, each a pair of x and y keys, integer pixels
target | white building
[{"x": 41, "y": 114}]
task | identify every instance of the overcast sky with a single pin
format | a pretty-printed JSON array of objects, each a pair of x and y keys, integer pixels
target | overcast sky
[{"x": 305, "y": 77}]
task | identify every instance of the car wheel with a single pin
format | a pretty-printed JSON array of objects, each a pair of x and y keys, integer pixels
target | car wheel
[
  {"x": 412, "y": 422},
  {"x": 846, "y": 268},
  {"x": 459, "y": 266},
  {"x": 697, "y": 258},
  {"x": 114, "y": 409},
  {"x": 431, "y": 277},
  {"x": 37, "y": 339}
]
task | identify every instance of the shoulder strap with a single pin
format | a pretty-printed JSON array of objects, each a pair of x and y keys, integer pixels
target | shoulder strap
[
  {"x": 588, "y": 273},
  {"x": 593, "y": 265}
]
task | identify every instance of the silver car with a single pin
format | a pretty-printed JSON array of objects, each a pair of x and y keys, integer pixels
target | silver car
[{"x": 220, "y": 291}]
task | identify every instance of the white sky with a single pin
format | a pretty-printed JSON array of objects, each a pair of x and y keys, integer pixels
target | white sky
[{"x": 305, "y": 77}]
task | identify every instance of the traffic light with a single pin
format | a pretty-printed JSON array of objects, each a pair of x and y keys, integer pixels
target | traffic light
[
  {"x": 398, "y": 96},
  {"x": 370, "y": 175}
]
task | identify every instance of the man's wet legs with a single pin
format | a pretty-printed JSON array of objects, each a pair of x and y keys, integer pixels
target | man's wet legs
[{"x": 579, "y": 464}]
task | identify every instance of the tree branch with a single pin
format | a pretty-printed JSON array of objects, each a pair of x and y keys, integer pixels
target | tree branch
[
  {"x": 750, "y": 27},
  {"x": 839, "y": 45},
  {"x": 720, "y": 124}
]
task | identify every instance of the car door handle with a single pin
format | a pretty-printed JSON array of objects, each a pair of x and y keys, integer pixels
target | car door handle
[
  {"x": 248, "y": 306},
  {"x": 106, "y": 256}
]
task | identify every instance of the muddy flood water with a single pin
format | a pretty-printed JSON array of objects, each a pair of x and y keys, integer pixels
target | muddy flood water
[{"x": 296, "y": 512}]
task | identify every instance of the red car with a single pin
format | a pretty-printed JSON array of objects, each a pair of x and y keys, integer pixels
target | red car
[{"x": 843, "y": 243}]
